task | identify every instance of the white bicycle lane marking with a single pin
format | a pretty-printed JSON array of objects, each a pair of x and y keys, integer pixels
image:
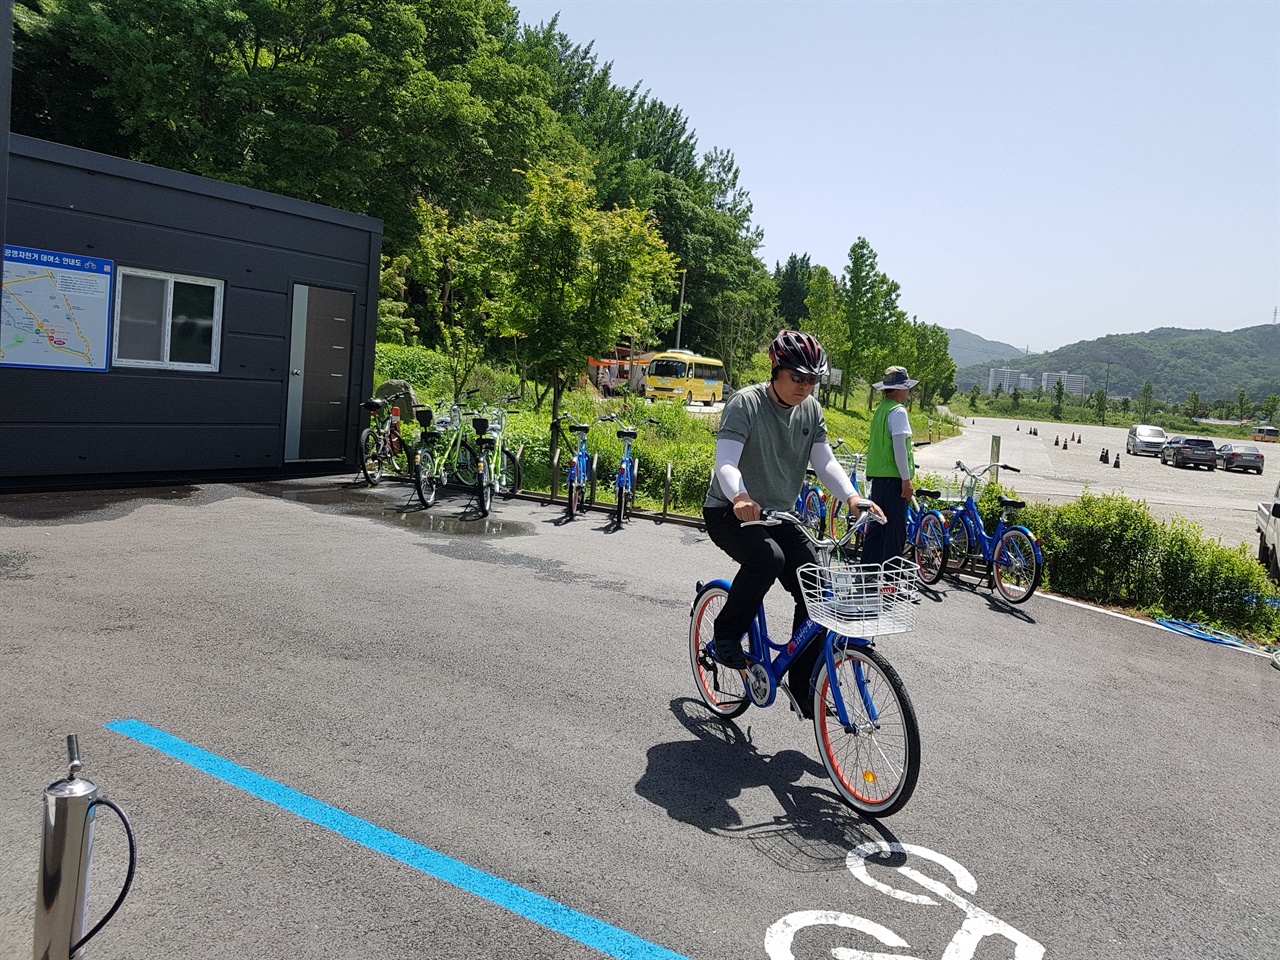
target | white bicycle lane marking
[{"x": 976, "y": 926}]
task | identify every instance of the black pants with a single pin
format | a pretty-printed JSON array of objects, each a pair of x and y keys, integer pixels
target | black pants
[
  {"x": 885, "y": 541},
  {"x": 765, "y": 554}
]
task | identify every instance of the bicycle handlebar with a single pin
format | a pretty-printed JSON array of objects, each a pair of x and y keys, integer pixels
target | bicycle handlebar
[
  {"x": 987, "y": 469},
  {"x": 771, "y": 518}
]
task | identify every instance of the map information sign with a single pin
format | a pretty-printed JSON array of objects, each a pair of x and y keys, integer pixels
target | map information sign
[{"x": 56, "y": 310}]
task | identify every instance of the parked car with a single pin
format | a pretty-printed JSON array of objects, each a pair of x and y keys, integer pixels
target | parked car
[
  {"x": 1240, "y": 456},
  {"x": 1144, "y": 438},
  {"x": 1179, "y": 451},
  {"x": 1269, "y": 535}
]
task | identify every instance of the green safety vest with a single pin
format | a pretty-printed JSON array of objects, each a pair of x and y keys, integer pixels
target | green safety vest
[{"x": 880, "y": 461}]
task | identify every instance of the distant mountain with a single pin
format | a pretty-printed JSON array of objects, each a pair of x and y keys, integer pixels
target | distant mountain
[
  {"x": 1215, "y": 364},
  {"x": 969, "y": 348}
]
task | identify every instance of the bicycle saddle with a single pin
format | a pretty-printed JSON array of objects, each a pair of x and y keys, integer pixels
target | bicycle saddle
[
  {"x": 373, "y": 404},
  {"x": 626, "y": 434},
  {"x": 928, "y": 494},
  {"x": 579, "y": 427},
  {"x": 1010, "y": 504}
]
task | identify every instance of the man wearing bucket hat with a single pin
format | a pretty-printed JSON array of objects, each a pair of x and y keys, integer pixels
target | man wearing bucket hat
[{"x": 890, "y": 466}]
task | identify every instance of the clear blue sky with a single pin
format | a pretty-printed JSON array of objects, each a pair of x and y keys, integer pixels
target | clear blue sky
[{"x": 1035, "y": 172}]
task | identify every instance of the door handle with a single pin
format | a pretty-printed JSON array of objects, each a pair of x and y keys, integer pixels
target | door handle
[{"x": 297, "y": 373}]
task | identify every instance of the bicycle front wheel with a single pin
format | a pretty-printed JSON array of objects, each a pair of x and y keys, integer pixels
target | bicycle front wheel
[
  {"x": 508, "y": 474},
  {"x": 875, "y": 761},
  {"x": 722, "y": 690},
  {"x": 931, "y": 548},
  {"x": 424, "y": 478},
  {"x": 620, "y": 508},
  {"x": 1016, "y": 571},
  {"x": 370, "y": 456}
]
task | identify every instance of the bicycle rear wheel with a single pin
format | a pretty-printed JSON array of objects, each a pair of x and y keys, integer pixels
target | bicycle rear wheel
[
  {"x": 1017, "y": 573},
  {"x": 575, "y": 494},
  {"x": 875, "y": 762},
  {"x": 370, "y": 456},
  {"x": 958, "y": 545},
  {"x": 931, "y": 548},
  {"x": 721, "y": 689},
  {"x": 424, "y": 478},
  {"x": 398, "y": 458},
  {"x": 813, "y": 512}
]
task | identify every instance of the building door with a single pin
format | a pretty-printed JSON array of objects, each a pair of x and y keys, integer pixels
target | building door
[{"x": 319, "y": 373}]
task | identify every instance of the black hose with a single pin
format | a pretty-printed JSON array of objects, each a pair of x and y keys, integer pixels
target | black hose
[{"x": 128, "y": 879}]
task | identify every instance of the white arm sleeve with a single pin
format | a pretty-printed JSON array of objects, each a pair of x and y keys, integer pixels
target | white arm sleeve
[
  {"x": 829, "y": 471},
  {"x": 900, "y": 455},
  {"x": 727, "y": 472}
]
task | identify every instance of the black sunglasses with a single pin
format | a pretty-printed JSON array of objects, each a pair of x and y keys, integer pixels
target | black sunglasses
[{"x": 801, "y": 378}]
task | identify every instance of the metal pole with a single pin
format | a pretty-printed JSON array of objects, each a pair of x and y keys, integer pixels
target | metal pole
[{"x": 680, "y": 313}]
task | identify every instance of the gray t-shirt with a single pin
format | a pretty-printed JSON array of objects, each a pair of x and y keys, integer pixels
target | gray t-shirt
[{"x": 775, "y": 446}]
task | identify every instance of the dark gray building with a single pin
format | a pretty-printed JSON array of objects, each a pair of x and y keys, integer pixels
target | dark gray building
[{"x": 162, "y": 327}]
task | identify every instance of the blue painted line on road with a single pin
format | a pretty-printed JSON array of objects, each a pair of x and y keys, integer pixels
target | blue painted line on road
[{"x": 601, "y": 936}]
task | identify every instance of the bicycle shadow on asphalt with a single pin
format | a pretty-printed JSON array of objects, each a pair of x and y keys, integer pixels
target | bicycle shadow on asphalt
[
  {"x": 695, "y": 780},
  {"x": 994, "y": 603}
]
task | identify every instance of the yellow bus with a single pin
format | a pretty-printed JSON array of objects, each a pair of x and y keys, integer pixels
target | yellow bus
[
  {"x": 683, "y": 375},
  {"x": 1271, "y": 434}
]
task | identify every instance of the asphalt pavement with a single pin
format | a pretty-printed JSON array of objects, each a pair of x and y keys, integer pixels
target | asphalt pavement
[
  {"x": 1223, "y": 503},
  {"x": 512, "y": 696}
]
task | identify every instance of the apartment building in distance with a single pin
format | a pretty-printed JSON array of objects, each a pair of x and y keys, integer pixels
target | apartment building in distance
[{"x": 1071, "y": 382}]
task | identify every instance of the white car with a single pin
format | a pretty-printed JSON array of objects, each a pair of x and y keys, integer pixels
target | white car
[{"x": 1144, "y": 438}]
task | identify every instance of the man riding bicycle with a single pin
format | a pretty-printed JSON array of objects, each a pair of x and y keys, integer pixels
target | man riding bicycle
[{"x": 768, "y": 434}]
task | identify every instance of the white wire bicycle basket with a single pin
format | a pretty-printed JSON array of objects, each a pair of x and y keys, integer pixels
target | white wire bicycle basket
[
  {"x": 862, "y": 599},
  {"x": 854, "y": 465}
]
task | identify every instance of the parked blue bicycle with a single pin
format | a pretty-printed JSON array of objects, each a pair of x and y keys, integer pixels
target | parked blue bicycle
[
  {"x": 581, "y": 468},
  {"x": 863, "y": 719},
  {"x": 1011, "y": 554},
  {"x": 927, "y": 536},
  {"x": 624, "y": 484}
]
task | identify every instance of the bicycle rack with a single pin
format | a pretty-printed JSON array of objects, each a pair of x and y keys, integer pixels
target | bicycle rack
[
  {"x": 595, "y": 474},
  {"x": 666, "y": 492},
  {"x": 519, "y": 467},
  {"x": 555, "y": 474}
]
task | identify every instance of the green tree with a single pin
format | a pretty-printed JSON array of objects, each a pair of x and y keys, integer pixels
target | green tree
[
  {"x": 1015, "y": 398},
  {"x": 1193, "y": 406},
  {"x": 1059, "y": 392},
  {"x": 579, "y": 276},
  {"x": 1100, "y": 405},
  {"x": 997, "y": 392},
  {"x": 974, "y": 393},
  {"x": 1125, "y": 403},
  {"x": 1243, "y": 406},
  {"x": 1146, "y": 402},
  {"x": 394, "y": 325},
  {"x": 932, "y": 364},
  {"x": 793, "y": 289},
  {"x": 1270, "y": 406}
]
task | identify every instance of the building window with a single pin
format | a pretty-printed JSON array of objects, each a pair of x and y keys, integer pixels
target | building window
[{"x": 167, "y": 320}]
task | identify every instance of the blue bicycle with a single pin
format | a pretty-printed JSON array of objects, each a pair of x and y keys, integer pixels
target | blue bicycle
[
  {"x": 624, "y": 484},
  {"x": 581, "y": 468},
  {"x": 1011, "y": 553},
  {"x": 863, "y": 719},
  {"x": 927, "y": 536}
]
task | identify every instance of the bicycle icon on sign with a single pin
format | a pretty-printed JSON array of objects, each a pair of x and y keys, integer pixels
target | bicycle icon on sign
[{"x": 978, "y": 924}]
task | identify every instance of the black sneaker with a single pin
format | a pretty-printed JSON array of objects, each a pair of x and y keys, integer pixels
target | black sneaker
[{"x": 730, "y": 655}]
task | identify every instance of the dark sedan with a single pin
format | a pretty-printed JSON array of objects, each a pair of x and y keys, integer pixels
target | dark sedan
[
  {"x": 1196, "y": 451},
  {"x": 1240, "y": 456}
]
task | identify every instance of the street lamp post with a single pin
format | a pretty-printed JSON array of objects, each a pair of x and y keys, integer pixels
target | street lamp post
[{"x": 680, "y": 313}]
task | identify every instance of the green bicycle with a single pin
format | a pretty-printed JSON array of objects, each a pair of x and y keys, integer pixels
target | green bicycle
[{"x": 443, "y": 454}]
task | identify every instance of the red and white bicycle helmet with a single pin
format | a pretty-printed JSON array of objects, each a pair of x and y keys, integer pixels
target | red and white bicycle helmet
[{"x": 801, "y": 352}]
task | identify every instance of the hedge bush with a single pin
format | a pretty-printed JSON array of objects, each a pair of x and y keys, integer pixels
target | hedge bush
[{"x": 1109, "y": 549}]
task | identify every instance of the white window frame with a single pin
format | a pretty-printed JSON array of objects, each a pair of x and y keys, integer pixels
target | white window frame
[{"x": 170, "y": 278}]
